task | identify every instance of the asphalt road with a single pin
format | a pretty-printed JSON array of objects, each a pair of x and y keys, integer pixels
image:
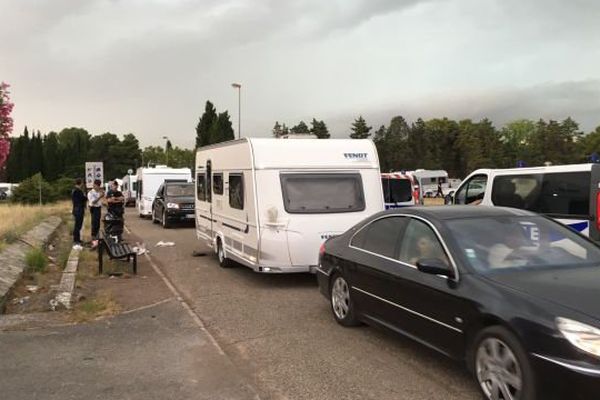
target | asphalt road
[{"x": 279, "y": 331}]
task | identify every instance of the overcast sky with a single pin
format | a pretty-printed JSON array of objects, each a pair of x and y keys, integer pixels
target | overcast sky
[{"x": 148, "y": 66}]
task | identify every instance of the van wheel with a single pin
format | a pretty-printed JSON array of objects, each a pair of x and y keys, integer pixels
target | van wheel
[
  {"x": 501, "y": 366},
  {"x": 341, "y": 301},
  {"x": 224, "y": 262},
  {"x": 165, "y": 221}
]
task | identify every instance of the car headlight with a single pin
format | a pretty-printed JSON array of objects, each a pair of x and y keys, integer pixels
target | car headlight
[
  {"x": 172, "y": 205},
  {"x": 582, "y": 336}
]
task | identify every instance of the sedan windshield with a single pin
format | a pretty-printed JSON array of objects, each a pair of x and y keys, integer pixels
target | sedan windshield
[
  {"x": 184, "y": 190},
  {"x": 508, "y": 243}
]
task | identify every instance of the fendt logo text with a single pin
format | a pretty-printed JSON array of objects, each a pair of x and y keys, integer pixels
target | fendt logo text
[{"x": 356, "y": 156}]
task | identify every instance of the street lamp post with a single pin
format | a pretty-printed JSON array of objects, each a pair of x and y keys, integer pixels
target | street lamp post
[
  {"x": 167, "y": 149},
  {"x": 239, "y": 88}
]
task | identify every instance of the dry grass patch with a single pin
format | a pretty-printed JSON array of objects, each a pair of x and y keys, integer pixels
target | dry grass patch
[
  {"x": 19, "y": 218},
  {"x": 101, "y": 305}
]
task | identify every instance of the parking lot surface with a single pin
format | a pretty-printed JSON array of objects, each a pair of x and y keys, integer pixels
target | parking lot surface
[{"x": 279, "y": 331}]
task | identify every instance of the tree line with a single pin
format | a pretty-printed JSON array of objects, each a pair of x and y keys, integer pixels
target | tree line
[
  {"x": 63, "y": 154},
  {"x": 460, "y": 147}
]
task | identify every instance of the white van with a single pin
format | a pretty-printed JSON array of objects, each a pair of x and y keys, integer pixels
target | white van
[
  {"x": 150, "y": 179},
  {"x": 568, "y": 193},
  {"x": 270, "y": 203},
  {"x": 129, "y": 189}
]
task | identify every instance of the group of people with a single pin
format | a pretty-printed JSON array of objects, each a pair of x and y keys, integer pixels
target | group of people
[{"x": 94, "y": 199}]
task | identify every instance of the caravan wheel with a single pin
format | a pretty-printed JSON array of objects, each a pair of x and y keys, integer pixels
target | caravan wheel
[{"x": 224, "y": 262}]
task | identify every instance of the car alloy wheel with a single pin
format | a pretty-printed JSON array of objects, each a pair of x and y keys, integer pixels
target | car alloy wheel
[
  {"x": 165, "y": 221},
  {"x": 498, "y": 370},
  {"x": 340, "y": 298}
]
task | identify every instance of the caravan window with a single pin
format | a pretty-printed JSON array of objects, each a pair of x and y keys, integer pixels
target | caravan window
[
  {"x": 134, "y": 186},
  {"x": 555, "y": 194},
  {"x": 322, "y": 193},
  {"x": 236, "y": 191},
  {"x": 200, "y": 187},
  {"x": 218, "y": 183}
]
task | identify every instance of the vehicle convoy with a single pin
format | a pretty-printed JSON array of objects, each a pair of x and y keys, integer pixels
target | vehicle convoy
[
  {"x": 512, "y": 293},
  {"x": 270, "y": 203},
  {"x": 149, "y": 180},
  {"x": 399, "y": 190},
  {"x": 129, "y": 188},
  {"x": 174, "y": 201},
  {"x": 568, "y": 193}
]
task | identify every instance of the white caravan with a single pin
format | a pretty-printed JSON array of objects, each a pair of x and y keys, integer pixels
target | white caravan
[
  {"x": 149, "y": 180},
  {"x": 129, "y": 189},
  {"x": 269, "y": 204}
]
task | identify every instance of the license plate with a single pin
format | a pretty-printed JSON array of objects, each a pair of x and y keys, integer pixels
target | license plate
[{"x": 190, "y": 216}]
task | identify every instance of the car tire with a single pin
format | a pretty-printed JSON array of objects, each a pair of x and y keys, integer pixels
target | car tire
[
  {"x": 154, "y": 219},
  {"x": 165, "y": 221},
  {"x": 224, "y": 262},
  {"x": 499, "y": 363},
  {"x": 340, "y": 298}
]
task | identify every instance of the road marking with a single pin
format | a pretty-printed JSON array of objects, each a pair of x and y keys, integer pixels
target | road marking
[
  {"x": 185, "y": 305},
  {"x": 158, "y": 303}
]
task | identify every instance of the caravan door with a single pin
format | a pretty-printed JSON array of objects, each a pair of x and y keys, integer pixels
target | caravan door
[{"x": 204, "y": 217}]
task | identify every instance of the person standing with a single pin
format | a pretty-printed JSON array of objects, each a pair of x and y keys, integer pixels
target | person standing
[
  {"x": 115, "y": 200},
  {"x": 94, "y": 196},
  {"x": 79, "y": 199}
]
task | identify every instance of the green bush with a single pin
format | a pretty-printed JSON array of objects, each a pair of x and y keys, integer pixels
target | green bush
[
  {"x": 63, "y": 188},
  {"x": 36, "y": 260},
  {"x": 10, "y": 236},
  {"x": 28, "y": 191}
]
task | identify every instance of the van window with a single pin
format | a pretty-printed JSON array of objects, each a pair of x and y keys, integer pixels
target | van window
[
  {"x": 396, "y": 190},
  {"x": 554, "y": 194},
  {"x": 200, "y": 186},
  {"x": 236, "y": 191},
  {"x": 473, "y": 191},
  {"x": 322, "y": 193},
  {"x": 218, "y": 183},
  {"x": 134, "y": 186}
]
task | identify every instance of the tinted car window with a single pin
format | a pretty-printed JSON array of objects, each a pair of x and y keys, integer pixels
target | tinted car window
[
  {"x": 420, "y": 242},
  {"x": 322, "y": 193},
  {"x": 556, "y": 194},
  {"x": 381, "y": 236}
]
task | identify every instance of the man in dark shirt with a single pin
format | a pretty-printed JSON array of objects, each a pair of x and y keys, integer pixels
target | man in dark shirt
[
  {"x": 79, "y": 200},
  {"x": 115, "y": 200}
]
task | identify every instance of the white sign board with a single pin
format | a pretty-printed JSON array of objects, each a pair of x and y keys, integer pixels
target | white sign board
[{"x": 93, "y": 170}]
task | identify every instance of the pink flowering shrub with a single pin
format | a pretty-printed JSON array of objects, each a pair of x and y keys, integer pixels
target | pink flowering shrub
[{"x": 6, "y": 122}]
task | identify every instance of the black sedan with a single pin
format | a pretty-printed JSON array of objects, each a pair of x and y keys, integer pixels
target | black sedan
[{"x": 513, "y": 294}]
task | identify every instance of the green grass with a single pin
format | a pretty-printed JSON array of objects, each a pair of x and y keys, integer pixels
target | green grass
[{"x": 36, "y": 260}]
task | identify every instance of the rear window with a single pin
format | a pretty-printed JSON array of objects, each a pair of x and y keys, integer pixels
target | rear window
[
  {"x": 556, "y": 194},
  {"x": 396, "y": 190},
  {"x": 322, "y": 193}
]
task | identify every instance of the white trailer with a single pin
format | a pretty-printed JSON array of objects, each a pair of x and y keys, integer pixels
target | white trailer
[
  {"x": 149, "y": 180},
  {"x": 269, "y": 204},
  {"x": 129, "y": 189}
]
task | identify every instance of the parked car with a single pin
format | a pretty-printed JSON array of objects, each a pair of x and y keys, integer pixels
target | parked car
[
  {"x": 174, "y": 201},
  {"x": 512, "y": 293}
]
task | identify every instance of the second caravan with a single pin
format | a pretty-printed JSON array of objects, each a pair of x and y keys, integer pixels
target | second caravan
[{"x": 270, "y": 203}]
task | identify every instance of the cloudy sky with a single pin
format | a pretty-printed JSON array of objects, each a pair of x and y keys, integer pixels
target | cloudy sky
[{"x": 148, "y": 66}]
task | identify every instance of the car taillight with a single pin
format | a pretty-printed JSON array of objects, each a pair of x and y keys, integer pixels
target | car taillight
[
  {"x": 322, "y": 250},
  {"x": 598, "y": 210}
]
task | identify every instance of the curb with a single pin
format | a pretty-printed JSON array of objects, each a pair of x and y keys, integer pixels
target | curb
[
  {"x": 67, "y": 281},
  {"x": 13, "y": 256}
]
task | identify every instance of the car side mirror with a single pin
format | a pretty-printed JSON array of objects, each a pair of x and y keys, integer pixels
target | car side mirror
[{"x": 435, "y": 266}]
